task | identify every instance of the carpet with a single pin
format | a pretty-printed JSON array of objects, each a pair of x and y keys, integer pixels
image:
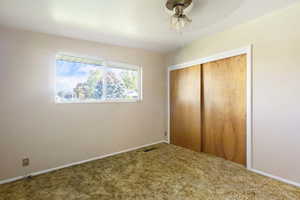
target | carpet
[{"x": 165, "y": 172}]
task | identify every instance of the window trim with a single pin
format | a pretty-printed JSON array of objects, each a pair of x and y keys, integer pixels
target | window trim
[{"x": 107, "y": 64}]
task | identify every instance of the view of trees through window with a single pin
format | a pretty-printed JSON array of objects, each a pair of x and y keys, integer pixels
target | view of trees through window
[{"x": 81, "y": 82}]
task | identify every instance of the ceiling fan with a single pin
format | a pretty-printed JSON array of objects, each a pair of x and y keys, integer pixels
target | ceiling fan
[{"x": 178, "y": 7}]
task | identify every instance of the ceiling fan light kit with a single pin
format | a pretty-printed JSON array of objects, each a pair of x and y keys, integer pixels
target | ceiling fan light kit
[{"x": 179, "y": 20}]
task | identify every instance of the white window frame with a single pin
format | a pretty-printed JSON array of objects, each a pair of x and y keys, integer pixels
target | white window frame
[{"x": 107, "y": 64}]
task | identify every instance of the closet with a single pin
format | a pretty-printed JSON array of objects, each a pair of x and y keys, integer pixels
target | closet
[{"x": 208, "y": 108}]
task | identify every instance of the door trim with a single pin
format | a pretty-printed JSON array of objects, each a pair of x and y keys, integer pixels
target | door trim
[{"x": 249, "y": 93}]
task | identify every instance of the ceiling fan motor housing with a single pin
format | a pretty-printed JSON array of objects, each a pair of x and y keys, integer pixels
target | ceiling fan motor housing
[{"x": 178, "y": 4}]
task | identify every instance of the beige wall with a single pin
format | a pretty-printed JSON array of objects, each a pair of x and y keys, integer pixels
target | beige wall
[
  {"x": 276, "y": 42},
  {"x": 31, "y": 125}
]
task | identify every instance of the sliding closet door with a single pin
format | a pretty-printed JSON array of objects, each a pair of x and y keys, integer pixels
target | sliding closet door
[
  {"x": 224, "y": 108},
  {"x": 185, "y": 107}
]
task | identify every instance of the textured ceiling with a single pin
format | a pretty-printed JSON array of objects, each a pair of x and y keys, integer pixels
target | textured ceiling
[{"x": 134, "y": 23}]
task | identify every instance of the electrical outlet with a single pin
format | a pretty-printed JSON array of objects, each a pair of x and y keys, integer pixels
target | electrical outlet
[{"x": 25, "y": 162}]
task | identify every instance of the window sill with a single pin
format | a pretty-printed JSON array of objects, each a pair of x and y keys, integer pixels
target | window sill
[{"x": 101, "y": 102}]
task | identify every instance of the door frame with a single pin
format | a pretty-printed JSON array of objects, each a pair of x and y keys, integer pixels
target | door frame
[{"x": 249, "y": 93}]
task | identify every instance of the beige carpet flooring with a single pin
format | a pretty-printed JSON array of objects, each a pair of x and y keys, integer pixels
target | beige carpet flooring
[{"x": 169, "y": 172}]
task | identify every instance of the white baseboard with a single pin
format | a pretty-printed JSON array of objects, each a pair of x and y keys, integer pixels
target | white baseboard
[
  {"x": 275, "y": 177},
  {"x": 77, "y": 163},
  {"x": 11, "y": 179}
]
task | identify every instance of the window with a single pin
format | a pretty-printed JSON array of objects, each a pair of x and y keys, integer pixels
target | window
[{"x": 83, "y": 80}]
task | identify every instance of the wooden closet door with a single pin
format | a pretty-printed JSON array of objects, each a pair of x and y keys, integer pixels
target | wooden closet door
[
  {"x": 224, "y": 108},
  {"x": 185, "y": 107}
]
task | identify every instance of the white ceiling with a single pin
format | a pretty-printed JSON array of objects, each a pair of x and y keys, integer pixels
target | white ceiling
[{"x": 134, "y": 23}]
